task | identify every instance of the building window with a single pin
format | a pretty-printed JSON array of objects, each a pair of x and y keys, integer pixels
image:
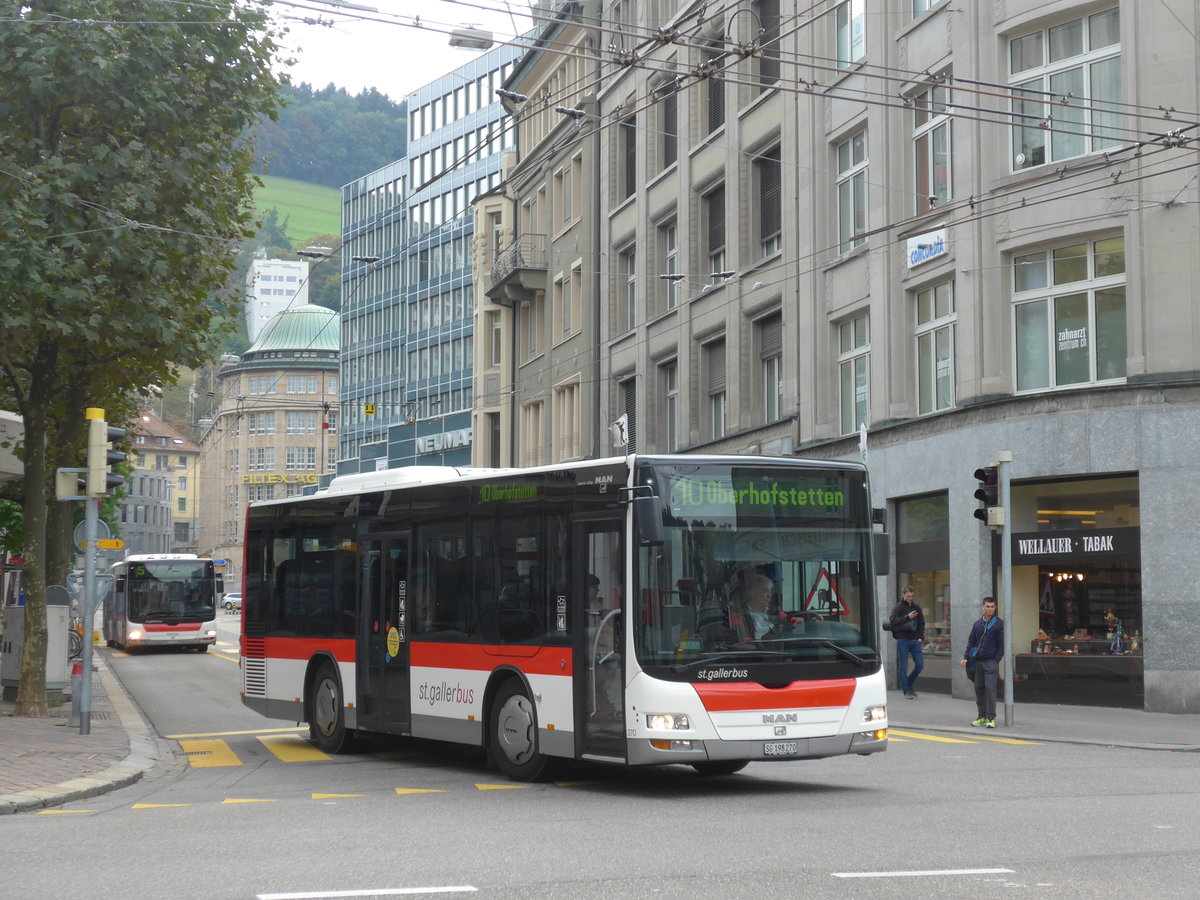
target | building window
[
  {"x": 493, "y": 439},
  {"x": 628, "y": 303},
  {"x": 629, "y": 403},
  {"x": 767, "y": 60},
  {"x": 850, "y": 25},
  {"x": 852, "y": 191},
  {"x": 301, "y": 422},
  {"x": 931, "y": 145},
  {"x": 769, "y": 335},
  {"x": 770, "y": 202},
  {"x": 668, "y": 379},
  {"x": 181, "y": 504},
  {"x": 575, "y": 298},
  {"x": 714, "y": 232},
  {"x": 260, "y": 423},
  {"x": 714, "y": 92},
  {"x": 668, "y": 124},
  {"x": 920, "y": 7},
  {"x": 566, "y": 421},
  {"x": 496, "y": 334},
  {"x": 533, "y": 313},
  {"x": 668, "y": 248},
  {"x": 262, "y": 459},
  {"x": 714, "y": 377},
  {"x": 853, "y": 355},
  {"x": 1069, "y": 315},
  {"x": 300, "y": 459},
  {"x": 935, "y": 348},
  {"x": 331, "y": 420},
  {"x": 181, "y": 483},
  {"x": 302, "y": 384},
  {"x": 629, "y": 136},
  {"x": 1066, "y": 87}
]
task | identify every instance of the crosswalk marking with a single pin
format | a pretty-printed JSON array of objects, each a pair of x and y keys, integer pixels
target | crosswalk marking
[
  {"x": 290, "y": 748},
  {"x": 209, "y": 754}
]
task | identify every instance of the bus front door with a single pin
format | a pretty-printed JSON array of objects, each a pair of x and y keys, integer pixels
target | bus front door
[
  {"x": 599, "y": 669},
  {"x": 383, "y": 641}
]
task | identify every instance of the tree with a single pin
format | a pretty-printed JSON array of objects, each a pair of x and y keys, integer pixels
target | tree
[{"x": 125, "y": 184}]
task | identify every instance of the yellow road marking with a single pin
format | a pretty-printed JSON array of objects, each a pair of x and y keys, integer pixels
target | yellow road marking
[
  {"x": 1000, "y": 740},
  {"x": 334, "y": 796},
  {"x": 217, "y": 734},
  {"x": 246, "y": 800},
  {"x": 157, "y": 805},
  {"x": 209, "y": 754},
  {"x": 217, "y": 654},
  {"x": 930, "y": 737},
  {"x": 403, "y": 791},
  {"x": 290, "y": 748},
  {"x": 501, "y": 787},
  {"x": 65, "y": 812}
]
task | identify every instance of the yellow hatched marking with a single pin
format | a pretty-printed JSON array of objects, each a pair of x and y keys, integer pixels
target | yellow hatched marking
[
  {"x": 217, "y": 734},
  {"x": 892, "y": 739},
  {"x": 217, "y": 654},
  {"x": 1000, "y": 740},
  {"x": 246, "y": 800},
  {"x": 403, "y": 791},
  {"x": 335, "y": 796},
  {"x": 290, "y": 748},
  {"x": 209, "y": 754},
  {"x": 158, "y": 805},
  {"x": 501, "y": 787},
  {"x": 930, "y": 737},
  {"x": 65, "y": 812}
]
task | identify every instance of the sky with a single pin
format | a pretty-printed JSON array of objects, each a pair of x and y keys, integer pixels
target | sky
[{"x": 387, "y": 50}]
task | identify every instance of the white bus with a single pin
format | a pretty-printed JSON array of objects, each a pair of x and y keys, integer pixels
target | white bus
[
  {"x": 162, "y": 600},
  {"x": 701, "y": 610}
]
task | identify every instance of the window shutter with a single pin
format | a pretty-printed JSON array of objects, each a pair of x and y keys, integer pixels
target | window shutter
[
  {"x": 629, "y": 388},
  {"x": 716, "y": 219},
  {"x": 771, "y": 337},
  {"x": 770, "y": 194},
  {"x": 716, "y": 367}
]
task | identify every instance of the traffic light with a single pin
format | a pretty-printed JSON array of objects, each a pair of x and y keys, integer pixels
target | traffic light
[
  {"x": 101, "y": 455},
  {"x": 988, "y": 495}
]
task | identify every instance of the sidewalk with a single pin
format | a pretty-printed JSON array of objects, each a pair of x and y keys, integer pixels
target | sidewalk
[{"x": 46, "y": 762}]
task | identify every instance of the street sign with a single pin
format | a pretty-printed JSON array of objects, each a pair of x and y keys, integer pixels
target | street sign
[
  {"x": 105, "y": 544},
  {"x": 102, "y": 531}
]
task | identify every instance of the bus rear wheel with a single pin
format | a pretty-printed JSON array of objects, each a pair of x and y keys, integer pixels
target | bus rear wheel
[
  {"x": 720, "y": 766},
  {"x": 514, "y": 741},
  {"x": 327, "y": 714}
]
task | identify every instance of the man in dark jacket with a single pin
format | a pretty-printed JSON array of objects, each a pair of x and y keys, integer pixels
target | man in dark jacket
[
  {"x": 908, "y": 628},
  {"x": 985, "y": 649}
]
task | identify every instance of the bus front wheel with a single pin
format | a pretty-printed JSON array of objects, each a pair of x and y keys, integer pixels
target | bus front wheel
[
  {"x": 514, "y": 735},
  {"x": 327, "y": 714}
]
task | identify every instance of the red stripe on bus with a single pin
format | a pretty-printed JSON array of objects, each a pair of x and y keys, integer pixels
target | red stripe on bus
[
  {"x": 342, "y": 649},
  {"x": 158, "y": 626},
  {"x": 485, "y": 657},
  {"x": 726, "y": 697}
]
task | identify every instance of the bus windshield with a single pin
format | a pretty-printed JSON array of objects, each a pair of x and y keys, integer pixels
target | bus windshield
[
  {"x": 171, "y": 591},
  {"x": 759, "y": 565}
]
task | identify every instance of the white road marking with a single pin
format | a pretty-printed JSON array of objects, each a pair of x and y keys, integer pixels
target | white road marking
[
  {"x": 380, "y": 892},
  {"x": 920, "y": 873}
]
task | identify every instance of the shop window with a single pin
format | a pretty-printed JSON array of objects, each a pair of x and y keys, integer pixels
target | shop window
[{"x": 923, "y": 563}]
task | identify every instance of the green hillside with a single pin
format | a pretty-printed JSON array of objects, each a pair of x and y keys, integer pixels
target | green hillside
[{"x": 309, "y": 209}]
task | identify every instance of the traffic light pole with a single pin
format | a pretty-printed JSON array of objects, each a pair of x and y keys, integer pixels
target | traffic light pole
[
  {"x": 91, "y": 512},
  {"x": 1004, "y": 458}
]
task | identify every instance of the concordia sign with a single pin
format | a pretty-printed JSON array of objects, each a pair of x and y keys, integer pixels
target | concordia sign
[{"x": 924, "y": 247}]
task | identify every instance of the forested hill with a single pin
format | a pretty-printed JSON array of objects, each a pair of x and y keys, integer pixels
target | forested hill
[{"x": 329, "y": 137}]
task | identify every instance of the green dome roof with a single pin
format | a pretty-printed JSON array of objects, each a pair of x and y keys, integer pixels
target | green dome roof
[{"x": 307, "y": 327}]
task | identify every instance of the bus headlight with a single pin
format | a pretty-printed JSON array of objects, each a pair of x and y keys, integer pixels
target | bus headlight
[
  {"x": 875, "y": 714},
  {"x": 667, "y": 721},
  {"x": 212, "y": 633},
  {"x": 134, "y": 635}
]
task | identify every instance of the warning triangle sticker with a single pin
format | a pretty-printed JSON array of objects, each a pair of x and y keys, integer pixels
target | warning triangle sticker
[{"x": 824, "y": 599}]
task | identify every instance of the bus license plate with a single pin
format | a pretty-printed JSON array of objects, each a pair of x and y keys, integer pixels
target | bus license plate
[{"x": 780, "y": 748}]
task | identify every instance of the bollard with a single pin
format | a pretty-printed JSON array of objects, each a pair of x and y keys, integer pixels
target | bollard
[{"x": 76, "y": 688}]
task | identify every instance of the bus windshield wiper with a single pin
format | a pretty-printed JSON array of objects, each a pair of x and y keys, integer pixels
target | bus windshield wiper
[
  {"x": 835, "y": 647},
  {"x": 724, "y": 655}
]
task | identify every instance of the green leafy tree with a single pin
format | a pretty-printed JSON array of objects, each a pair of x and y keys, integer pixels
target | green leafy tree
[{"x": 125, "y": 185}]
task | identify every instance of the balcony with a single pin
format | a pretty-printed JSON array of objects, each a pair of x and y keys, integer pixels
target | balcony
[{"x": 519, "y": 270}]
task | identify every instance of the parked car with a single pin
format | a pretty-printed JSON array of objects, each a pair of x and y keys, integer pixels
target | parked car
[{"x": 232, "y": 602}]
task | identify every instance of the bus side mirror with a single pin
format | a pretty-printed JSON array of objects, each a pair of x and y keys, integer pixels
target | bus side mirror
[
  {"x": 883, "y": 559},
  {"x": 647, "y": 520}
]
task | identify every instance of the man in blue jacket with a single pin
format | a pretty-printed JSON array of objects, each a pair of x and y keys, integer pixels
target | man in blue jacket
[{"x": 985, "y": 649}]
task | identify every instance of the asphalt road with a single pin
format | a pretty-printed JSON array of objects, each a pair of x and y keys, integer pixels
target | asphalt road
[{"x": 238, "y": 811}]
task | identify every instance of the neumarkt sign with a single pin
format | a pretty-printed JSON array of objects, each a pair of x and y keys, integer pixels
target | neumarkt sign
[{"x": 280, "y": 478}]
